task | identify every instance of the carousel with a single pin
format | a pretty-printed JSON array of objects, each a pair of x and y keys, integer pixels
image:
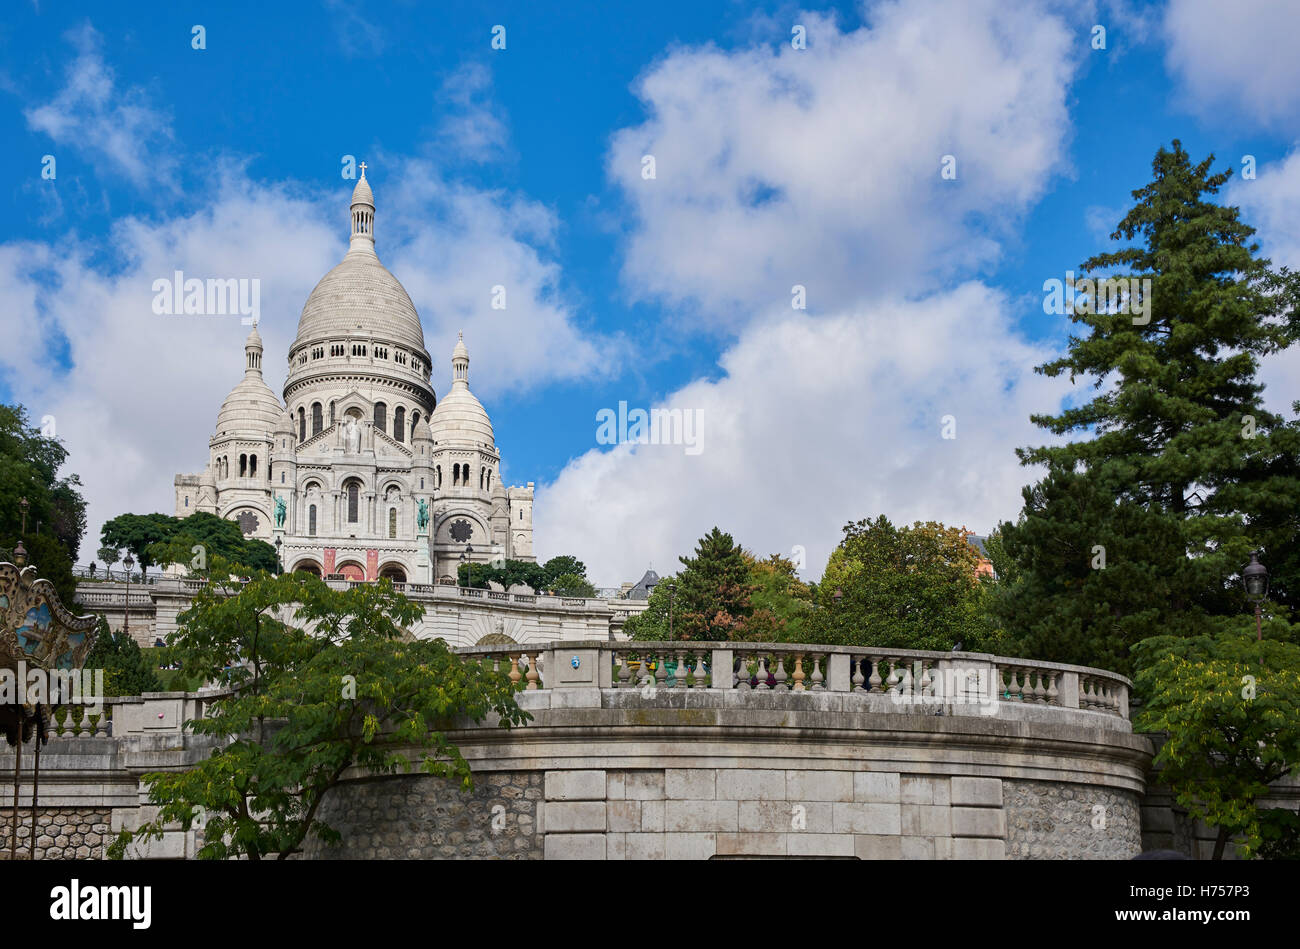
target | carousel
[{"x": 39, "y": 639}]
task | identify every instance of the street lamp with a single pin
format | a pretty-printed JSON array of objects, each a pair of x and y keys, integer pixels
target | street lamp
[
  {"x": 1255, "y": 579},
  {"x": 126, "y": 619},
  {"x": 469, "y": 564},
  {"x": 837, "y": 596},
  {"x": 279, "y": 566},
  {"x": 20, "y": 552}
]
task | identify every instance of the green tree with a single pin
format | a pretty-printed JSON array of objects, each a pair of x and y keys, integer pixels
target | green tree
[
  {"x": 29, "y": 468},
  {"x": 781, "y": 602},
  {"x": 562, "y": 566},
  {"x": 147, "y": 536},
  {"x": 570, "y": 584},
  {"x": 510, "y": 573},
  {"x": 126, "y": 671},
  {"x": 1141, "y": 527},
  {"x": 652, "y": 623},
  {"x": 322, "y": 681},
  {"x": 912, "y": 587},
  {"x": 50, "y": 558},
  {"x": 111, "y": 557},
  {"x": 1231, "y": 709},
  {"x": 712, "y": 596},
  {"x": 137, "y": 533}
]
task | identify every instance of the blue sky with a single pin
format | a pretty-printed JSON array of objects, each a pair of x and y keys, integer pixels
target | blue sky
[{"x": 522, "y": 167}]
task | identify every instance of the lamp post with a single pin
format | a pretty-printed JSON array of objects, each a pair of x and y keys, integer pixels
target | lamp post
[
  {"x": 1255, "y": 579},
  {"x": 837, "y": 596},
  {"x": 126, "y": 618},
  {"x": 672, "y": 588},
  {"x": 20, "y": 552},
  {"x": 279, "y": 566},
  {"x": 469, "y": 564}
]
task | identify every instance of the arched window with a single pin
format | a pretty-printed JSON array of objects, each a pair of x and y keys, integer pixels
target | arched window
[
  {"x": 302, "y": 425},
  {"x": 521, "y": 514},
  {"x": 415, "y": 420},
  {"x": 243, "y": 466},
  {"x": 392, "y": 523},
  {"x": 315, "y": 419},
  {"x": 187, "y": 500},
  {"x": 489, "y": 479},
  {"x": 381, "y": 417},
  {"x": 331, "y": 412},
  {"x": 354, "y": 500},
  {"x": 399, "y": 423},
  {"x": 311, "y": 521},
  {"x": 437, "y": 476},
  {"x": 252, "y": 466}
]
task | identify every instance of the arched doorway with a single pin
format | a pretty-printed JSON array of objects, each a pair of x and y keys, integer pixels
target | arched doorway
[
  {"x": 351, "y": 570},
  {"x": 307, "y": 566},
  {"x": 393, "y": 571}
]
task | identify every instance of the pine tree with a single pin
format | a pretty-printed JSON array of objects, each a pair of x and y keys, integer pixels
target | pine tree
[
  {"x": 126, "y": 670},
  {"x": 1142, "y": 528},
  {"x": 712, "y": 595}
]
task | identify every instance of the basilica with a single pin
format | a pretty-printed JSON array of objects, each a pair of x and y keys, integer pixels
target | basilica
[{"x": 362, "y": 471}]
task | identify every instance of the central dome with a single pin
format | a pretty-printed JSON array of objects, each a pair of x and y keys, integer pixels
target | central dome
[{"x": 360, "y": 293}]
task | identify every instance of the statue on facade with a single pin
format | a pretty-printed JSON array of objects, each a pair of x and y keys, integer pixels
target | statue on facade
[
  {"x": 422, "y": 518},
  {"x": 351, "y": 435},
  {"x": 280, "y": 510}
]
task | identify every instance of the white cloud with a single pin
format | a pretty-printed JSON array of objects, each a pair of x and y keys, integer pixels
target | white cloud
[
  {"x": 816, "y": 423},
  {"x": 93, "y": 113},
  {"x": 1235, "y": 60},
  {"x": 469, "y": 119},
  {"x": 821, "y": 166},
  {"x": 455, "y": 244},
  {"x": 1271, "y": 204},
  {"x": 357, "y": 34}
]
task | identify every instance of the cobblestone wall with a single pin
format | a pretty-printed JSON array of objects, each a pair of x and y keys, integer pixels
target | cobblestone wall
[
  {"x": 1050, "y": 821},
  {"x": 424, "y": 817},
  {"x": 62, "y": 833}
]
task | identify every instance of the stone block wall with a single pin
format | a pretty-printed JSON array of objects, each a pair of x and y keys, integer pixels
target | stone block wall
[
  {"x": 62, "y": 833},
  {"x": 1054, "y": 821},
  {"x": 419, "y": 816},
  {"x": 702, "y": 813}
]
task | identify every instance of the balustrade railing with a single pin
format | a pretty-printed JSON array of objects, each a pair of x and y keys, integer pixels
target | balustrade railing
[{"x": 906, "y": 677}]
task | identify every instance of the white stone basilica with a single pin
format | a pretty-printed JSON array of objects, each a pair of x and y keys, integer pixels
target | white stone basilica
[{"x": 361, "y": 471}]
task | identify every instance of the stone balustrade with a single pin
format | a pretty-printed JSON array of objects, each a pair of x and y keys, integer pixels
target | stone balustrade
[{"x": 907, "y": 678}]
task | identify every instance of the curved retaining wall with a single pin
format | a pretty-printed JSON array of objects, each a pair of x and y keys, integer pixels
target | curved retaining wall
[{"x": 620, "y": 774}]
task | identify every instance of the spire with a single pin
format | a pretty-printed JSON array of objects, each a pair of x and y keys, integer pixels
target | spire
[
  {"x": 460, "y": 362},
  {"x": 363, "y": 215},
  {"x": 253, "y": 353}
]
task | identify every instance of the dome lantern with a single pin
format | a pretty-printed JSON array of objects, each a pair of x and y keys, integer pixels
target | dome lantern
[
  {"x": 363, "y": 215},
  {"x": 460, "y": 362}
]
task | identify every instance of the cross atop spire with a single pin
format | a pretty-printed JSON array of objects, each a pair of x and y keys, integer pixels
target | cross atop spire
[{"x": 363, "y": 215}]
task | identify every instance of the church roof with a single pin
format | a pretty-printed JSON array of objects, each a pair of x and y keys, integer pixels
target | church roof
[
  {"x": 360, "y": 293},
  {"x": 459, "y": 418},
  {"x": 643, "y": 587},
  {"x": 251, "y": 405}
]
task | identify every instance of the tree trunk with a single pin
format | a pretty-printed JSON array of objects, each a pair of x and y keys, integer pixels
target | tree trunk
[{"x": 1220, "y": 842}]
